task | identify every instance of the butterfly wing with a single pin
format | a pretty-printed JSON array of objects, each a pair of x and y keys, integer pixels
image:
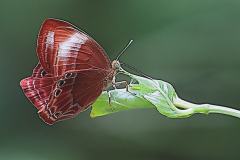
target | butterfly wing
[
  {"x": 45, "y": 42},
  {"x": 37, "y": 88},
  {"x": 61, "y": 48},
  {"x": 73, "y": 93},
  {"x": 71, "y": 75}
]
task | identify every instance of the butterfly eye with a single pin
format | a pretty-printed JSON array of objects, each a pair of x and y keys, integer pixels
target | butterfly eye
[
  {"x": 60, "y": 83},
  {"x": 70, "y": 75},
  {"x": 43, "y": 73},
  {"x": 57, "y": 92}
]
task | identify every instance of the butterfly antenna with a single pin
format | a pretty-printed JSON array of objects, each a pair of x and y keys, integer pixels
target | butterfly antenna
[
  {"x": 124, "y": 49},
  {"x": 136, "y": 70}
]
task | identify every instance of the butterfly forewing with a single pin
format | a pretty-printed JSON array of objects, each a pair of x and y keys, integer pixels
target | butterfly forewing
[
  {"x": 45, "y": 42},
  {"x": 61, "y": 48}
]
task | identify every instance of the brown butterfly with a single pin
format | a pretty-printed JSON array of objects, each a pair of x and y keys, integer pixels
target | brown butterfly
[{"x": 72, "y": 72}]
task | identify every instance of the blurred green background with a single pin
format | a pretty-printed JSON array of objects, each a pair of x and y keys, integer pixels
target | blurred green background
[{"x": 190, "y": 43}]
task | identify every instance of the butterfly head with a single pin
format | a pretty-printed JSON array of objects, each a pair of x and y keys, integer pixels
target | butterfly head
[{"x": 116, "y": 66}]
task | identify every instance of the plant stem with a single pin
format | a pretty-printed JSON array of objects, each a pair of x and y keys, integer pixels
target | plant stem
[{"x": 206, "y": 108}]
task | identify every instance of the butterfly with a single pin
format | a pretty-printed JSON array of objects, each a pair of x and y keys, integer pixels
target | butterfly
[{"x": 72, "y": 72}]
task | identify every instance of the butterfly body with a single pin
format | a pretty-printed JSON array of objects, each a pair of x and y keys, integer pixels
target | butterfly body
[{"x": 72, "y": 72}]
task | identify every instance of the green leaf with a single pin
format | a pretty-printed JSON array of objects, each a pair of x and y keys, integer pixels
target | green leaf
[
  {"x": 120, "y": 100},
  {"x": 147, "y": 93},
  {"x": 161, "y": 94},
  {"x": 151, "y": 93}
]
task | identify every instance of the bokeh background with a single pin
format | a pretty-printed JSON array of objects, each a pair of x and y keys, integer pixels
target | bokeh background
[{"x": 190, "y": 43}]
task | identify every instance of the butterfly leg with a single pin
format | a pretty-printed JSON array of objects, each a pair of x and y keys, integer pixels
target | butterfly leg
[
  {"x": 109, "y": 97},
  {"x": 109, "y": 100},
  {"x": 125, "y": 84},
  {"x": 121, "y": 83}
]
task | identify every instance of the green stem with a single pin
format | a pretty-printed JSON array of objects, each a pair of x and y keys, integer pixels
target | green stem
[{"x": 206, "y": 108}]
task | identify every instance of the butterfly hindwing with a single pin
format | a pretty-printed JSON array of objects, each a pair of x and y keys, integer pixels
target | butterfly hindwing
[
  {"x": 38, "y": 87},
  {"x": 72, "y": 94}
]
